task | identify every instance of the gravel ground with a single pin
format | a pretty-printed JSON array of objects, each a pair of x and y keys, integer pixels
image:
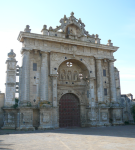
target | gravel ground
[{"x": 98, "y": 138}]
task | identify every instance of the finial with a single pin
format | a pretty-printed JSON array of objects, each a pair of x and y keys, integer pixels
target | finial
[
  {"x": 44, "y": 27},
  {"x": 72, "y": 13},
  {"x": 65, "y": 18},
  {"x": 96, "y": 36},
  {"x": 27, "y": 29},
  {"x": 109, "y": 43},
  {"x": 50, "y": 28},
  {"x": 93, "y": 35},
  {"x": 11, "y": 55},
  {"x": 44, "y": 30},
  {"x": 80, "y": 21}
]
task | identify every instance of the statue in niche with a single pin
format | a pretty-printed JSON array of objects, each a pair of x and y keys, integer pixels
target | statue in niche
[
  {"x": 69, "y": 76},
  {"x": 63, "y": 76},
  {"x": 75, "y": 76}
]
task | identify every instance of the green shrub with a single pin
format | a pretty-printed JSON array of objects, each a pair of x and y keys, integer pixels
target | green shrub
[
  {"x": 133, "y": 111},
  {"x": 16, "y": 103}
]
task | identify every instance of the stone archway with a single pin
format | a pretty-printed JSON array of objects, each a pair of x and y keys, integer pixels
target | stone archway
[{"x": 69, "y": 111}]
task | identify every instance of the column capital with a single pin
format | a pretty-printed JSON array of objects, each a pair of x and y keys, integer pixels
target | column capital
[
  {"x": 54, "y": 75},
  {"x": 92, "y": 78},
  {"x": 24, "y": 49},
  {"x": 99, "y": 58},
  {"x": 46, "y": 52},
  {"x": 111, "y": 60}
]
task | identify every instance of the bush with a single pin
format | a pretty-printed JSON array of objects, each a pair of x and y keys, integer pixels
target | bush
[
  {"x": 16, "y": 103},
  {"x": 133, "y": 111}
]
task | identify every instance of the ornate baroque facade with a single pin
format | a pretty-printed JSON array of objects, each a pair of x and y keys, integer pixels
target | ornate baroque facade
[{"x": 67, "y": 78}]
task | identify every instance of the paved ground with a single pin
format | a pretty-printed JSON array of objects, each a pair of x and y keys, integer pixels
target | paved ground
[{"x": 100, "y": 138}]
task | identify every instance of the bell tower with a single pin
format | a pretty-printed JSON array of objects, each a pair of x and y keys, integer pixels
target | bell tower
[{"x": 10, "y": 80}]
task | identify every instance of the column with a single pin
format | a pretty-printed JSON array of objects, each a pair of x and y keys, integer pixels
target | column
[
  {"x": 92, "y": 96},
  {"x": 92, "y": 92},
  {"x": 112, "y": 81},
  {"x": 25, "y": 91},
  {"x": 44, "y": 78},
  {"x": 54, "y": 84},
  {"x": 99, "y": 81}
]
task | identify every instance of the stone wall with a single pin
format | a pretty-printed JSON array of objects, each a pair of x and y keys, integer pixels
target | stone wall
[
  {"x": 127, "y": 102},
  {"x": 2, "y": 97}
]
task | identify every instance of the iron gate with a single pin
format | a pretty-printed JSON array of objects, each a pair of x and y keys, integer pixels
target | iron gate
[{"x": 69, "y": 111}]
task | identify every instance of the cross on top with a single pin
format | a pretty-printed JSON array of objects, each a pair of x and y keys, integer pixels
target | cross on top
[{"x": 72, "y": 13}]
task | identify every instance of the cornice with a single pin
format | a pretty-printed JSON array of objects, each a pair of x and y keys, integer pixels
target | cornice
[{"x": 23, "y": 35}]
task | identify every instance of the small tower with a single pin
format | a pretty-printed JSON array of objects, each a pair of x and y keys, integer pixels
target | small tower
[{"x": 10, "y": 80}]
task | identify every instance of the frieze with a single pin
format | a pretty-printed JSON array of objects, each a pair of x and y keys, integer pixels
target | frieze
[{"x": 64, "y": 48}]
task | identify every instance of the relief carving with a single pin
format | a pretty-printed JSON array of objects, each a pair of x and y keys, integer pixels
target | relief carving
[
  {"x": 10, "y": 118},
  {"x": 46, "y": 117},
  {"x": 11, "y": 66},
  {"x": 27, "y": 117},
  {"x": 69, "y": 76},
  {"x": 104, "y": 116},
  {"x": 63, "y": 75},
  {"x": 75, "y": 76}
]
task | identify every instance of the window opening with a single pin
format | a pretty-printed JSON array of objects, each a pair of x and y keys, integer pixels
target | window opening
[
  {"x": 104, "y": 72},
  {"x": 69, "y": 64},
  {"x": 34, "y": 66},
  {"x": 105, "y": 91}
]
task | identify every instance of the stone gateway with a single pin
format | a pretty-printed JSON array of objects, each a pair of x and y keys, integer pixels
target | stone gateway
[{"x": 67, "y": 78}]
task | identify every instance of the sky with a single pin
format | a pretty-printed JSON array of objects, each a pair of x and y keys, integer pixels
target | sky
[{"x": 110, "y": 19}]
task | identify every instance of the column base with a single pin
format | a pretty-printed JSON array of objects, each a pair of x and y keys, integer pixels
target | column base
[
  {"x": 48, "y": 118},
  {"x": 116, "y": 115},
  {"x": 25, "y": 129},
  {"x": 117, "y": 123},
  {"x": 45, "y": 127},
  {"x": 10, "y": 118},
  {"x": 103, "y": 124},
  {"x": 8, "y": 128}
]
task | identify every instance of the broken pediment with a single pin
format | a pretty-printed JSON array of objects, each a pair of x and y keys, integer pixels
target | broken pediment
[{"x": 72, "y": 27}]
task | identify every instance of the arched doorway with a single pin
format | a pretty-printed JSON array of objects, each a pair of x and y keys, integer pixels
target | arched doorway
[{"x": 69, "y": 111}]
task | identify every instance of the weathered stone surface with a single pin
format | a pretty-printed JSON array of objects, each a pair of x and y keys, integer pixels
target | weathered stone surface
[
  {"x": 64, "y": 60},
  {"x": 2, "y": 98}
]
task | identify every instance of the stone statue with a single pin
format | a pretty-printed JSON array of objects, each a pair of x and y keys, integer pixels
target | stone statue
[
  {"x": 69, "y": 76},
  {"x": 63, "y": 77},
  {"x": 76, "y": 77}
]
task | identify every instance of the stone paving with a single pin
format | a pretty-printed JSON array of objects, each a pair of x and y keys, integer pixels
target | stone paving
[{"x": 98, "y": 138}]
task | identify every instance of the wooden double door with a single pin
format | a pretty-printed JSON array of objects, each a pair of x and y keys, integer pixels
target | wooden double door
[{"x": 69, "y": 111}]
